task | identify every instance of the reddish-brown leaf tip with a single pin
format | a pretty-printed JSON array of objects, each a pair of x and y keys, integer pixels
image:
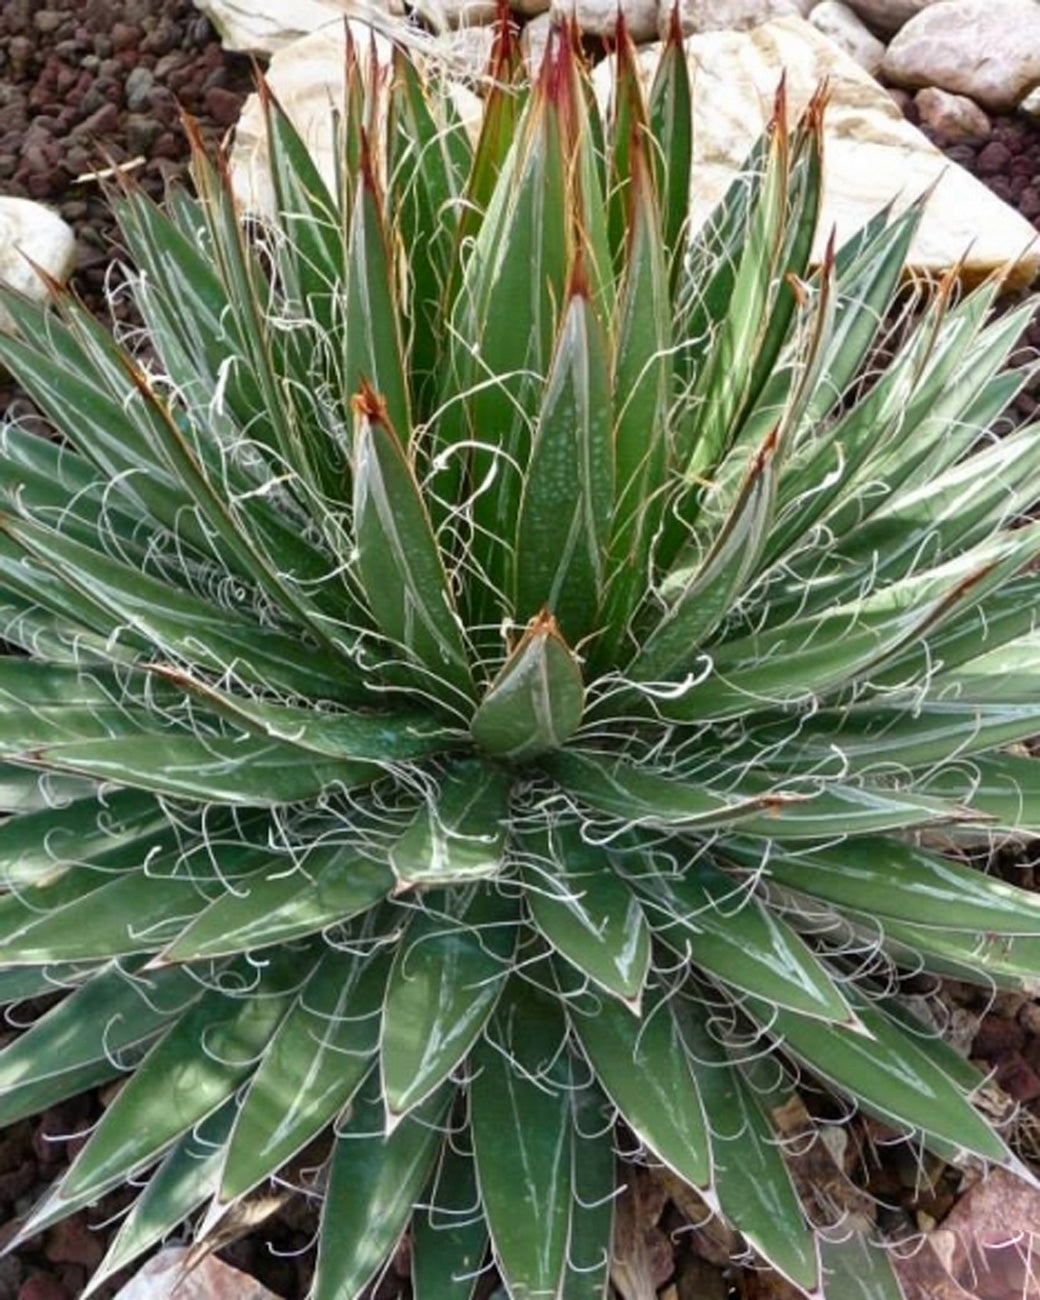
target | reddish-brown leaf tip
[{"x": 367, "y": 403}]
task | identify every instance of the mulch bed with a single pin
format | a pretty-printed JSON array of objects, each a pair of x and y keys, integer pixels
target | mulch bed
[{"x": 86, "y": 84}]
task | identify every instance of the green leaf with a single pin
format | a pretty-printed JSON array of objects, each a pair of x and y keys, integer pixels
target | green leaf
[
  {"x": 644, "y": 1068},
  {"x": 513, "y": 287},
  {"x": 719, "y": 922},
  {"x": 374, "y": 354},
  {"x": 859, "y": 1268},
  {"x": 671, "y": 123},
  {"x": 246, "y": 770},
  {"x": 113, "y": 1011},
  {"x": 1012, "y": 963},
  {"x": 521, "y": 1121},
  {"x": 144, "y": 610},
  {"x": 595, "y": 1186},
  {"x": 449, "y": 1235},
  {"x": 140, "y": 895},
  {"x": 565, "y": 508},
  {"x": 585, "y": 910},
  {"x": 752, "y": 1182},
  {"x": 397, "y": 557},
  {"x": 535, "y": 703},
  {"x": 703, "y": 590},
  {"x": 626, "y": 791},
  {"x": 897, "y": 881},
  {"x": 459, "y": 834},
  {"x": 641, "y": 379},
  {"x": 1003, "y": 788},
  {"x": 448, "y": 972},
  {"x": 40, "y": 846},
  {"x": 895, "y": 627},
  {"x": 191, "y": 1071},
  {"x": 23, "y": 791},
  {"x": 186, "y": 1178},
  {"x": 379, "y": 737},
  {"x": 886, "y": 1072},
  {"x": 291, "y": 896},
  {"x": 373, "y": 1185},
  {"x": 882, "y": 738},
  {"x": 318, "y": 1058}
]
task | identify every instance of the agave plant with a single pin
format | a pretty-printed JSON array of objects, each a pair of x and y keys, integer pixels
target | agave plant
[{"x": 485, "y": 665}]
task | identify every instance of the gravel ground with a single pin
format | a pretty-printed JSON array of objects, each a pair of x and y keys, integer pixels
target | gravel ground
[{"x": 90, "y": 83}]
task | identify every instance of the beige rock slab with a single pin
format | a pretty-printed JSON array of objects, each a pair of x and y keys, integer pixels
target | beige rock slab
[
  {"x": 726, "y": 15},
  {"x": 873, "y": 155},
  {"x": 265, "y": 26},
  {"x": 163, "y": 1278},
  {"x": 307, "y": 80},
  {"x": 32, "y": 235}
]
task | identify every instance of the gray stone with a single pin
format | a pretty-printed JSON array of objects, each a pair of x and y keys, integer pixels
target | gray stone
[
  {"x": 988, "y": 50},
  {"x": 138, "y": 88}
]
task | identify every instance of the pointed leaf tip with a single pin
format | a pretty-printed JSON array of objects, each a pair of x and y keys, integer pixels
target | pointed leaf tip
[{"x": 535, "y": 704}]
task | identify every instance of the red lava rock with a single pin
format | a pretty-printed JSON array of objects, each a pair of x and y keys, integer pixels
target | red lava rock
[
  {"x": 1018, "y": 1078},
  {"x": 997, "y": 1036},
  {"x": 41, "y": 1287},
  {"x": 72, "y": 1241},
  {"x": 993, "y": 159},
  {"x": 98, "y": 123},
  {"x": 16, "y": 1182},
  {"x": 222, "y": 105},
  {"x": 124, "y": 35}
]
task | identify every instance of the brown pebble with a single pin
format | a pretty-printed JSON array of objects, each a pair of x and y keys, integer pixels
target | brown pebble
[
  {"x": 222, "y": 105},
  {"x": 997, "y": 1036},
  {"x": 1018, "y": 1079},
  {"x": 72, "y": 1241},
  {"x": 124, "y": 35},
  {"x": 42, "y": 1287}
]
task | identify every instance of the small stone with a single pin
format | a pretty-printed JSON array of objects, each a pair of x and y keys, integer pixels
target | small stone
[
  {"x": 47, "y": 20},
  {"x": 138, "y": 87},
  {"x": 42, "y": 1287},
  {"x": 124, "y": 36},
  {"x": 993, "y": 160},
  {"x": 72, "y": 1242},
  {"x": 141, "y": 133},
  {"x": 20, "y": 49},
  {"x": 14, "y": 1183},
  {"x": 1029, "y": 1012},
  {"x": 99, "y": 123},
  {"x": 223, "y": 106},
  {"x": 954, "y": 118},
  {"x": 996, "y": 1037},
  {"x": 10, "y": 1277},
  {"x": 1018, "y": 1079}
]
